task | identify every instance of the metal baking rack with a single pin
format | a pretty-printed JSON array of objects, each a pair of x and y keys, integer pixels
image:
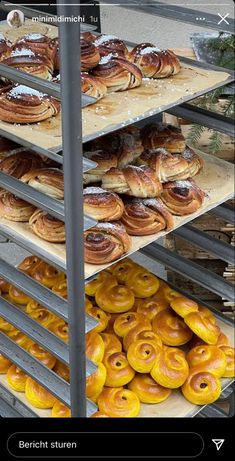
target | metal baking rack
[{"x": 71, "y": 211}]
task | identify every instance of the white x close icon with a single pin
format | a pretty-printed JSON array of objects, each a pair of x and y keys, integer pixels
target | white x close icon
[{"x": 223, "y": 18}]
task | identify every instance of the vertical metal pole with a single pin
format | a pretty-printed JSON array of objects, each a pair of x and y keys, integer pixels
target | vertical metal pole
[{"x": 72, "y": 157}]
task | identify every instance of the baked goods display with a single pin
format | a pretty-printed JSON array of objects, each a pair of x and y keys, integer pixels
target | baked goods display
[{"x": 136, "y": 345}]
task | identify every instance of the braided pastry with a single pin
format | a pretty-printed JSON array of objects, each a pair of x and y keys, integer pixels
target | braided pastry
[
  {"x": 37, "y": 395},
  {"x": 121, "y": 269},
  {"x": 47, "y": 227},
  {"x": 126, "y": 322},
  {"x": 110, "y": 44},
  {"x": 27, "y": 61},
  {"x": 14, "y": 208},
  {"x": 209, "y": 358},
  {"x": 202, "y": 327},
  {"x": 59, "y": 410},
  {"x": 25, "y": 105},
  {"x": 137, "y": 181},
  {"x": 118, "y": 368},
  {"x": 101, "y": 317},
  {"x": 94, "y": 347},
  {"x": 62, "y": 370},
  {"x": 149, "y": 307},
  {"x": 161, "y": 135},
  {"x": 138, "y": 333},
  {"x": 183, "y": 306},
  {"x": 93, "y": 86},
  {"x": 182, "y": 197},
  {"x": 142, "y": 354},
  {"x": 103, "y": 277},
  {"x": 114, "y": 298},
  {"x": 142, "y": 282},
  {"x": 42, "y": 355},
  {"x": 106, "y": 242},
  {"x": 153, "y": 62},
  {"x": 50, "y": 181},
  {"x": 111, "y": 343},
  {"x": 90, "y": 56},
  {"x": 60, "y": 329},
  {"x": 118, "y": 74},
  {"x": 230, "y": 359},
  {"x": 4, "y": 364},
  {"x": 47, "y": 274},
  {"x": 170, "y": 368},
  {"x": 171, "y": 328},
  {"x": 146, "y": 217},
  {"x": 20, "y": 163},
  {"x": 95, "y": 382},
  {"x": 104, "y": 160},
  {"x": 20, "y": 338},
  {"x": 119, "y": 403},
  {"x": 40, "y": 44},
  {"x": 102, "y": 205},
  {"x": 16, "y": 378},
  {"x": 148, "y": 391},
  {"x": 201, "y": 387}
]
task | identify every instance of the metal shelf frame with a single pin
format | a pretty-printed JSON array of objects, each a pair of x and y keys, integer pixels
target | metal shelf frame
[{"x": 74, "y": 395}]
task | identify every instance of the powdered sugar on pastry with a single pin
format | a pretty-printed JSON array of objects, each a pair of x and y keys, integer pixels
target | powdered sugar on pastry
[
  {"x": 104, "y": 38},
  {"x": 22, "y": 89},
  {"x": 22, "y": 52},
  {"x": 150, "y": 49}
]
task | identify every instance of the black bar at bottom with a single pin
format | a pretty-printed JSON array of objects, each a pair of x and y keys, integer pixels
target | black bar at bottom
[{"x": 152, "y": 445}]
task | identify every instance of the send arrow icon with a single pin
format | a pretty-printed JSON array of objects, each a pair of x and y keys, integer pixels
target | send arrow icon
[{"x": 218, "y": 443}]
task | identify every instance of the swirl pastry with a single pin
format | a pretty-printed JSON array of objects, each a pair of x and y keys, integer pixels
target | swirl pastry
[
  {"x": 47, "y": 274},
  {"x": 103, "y": 277},
  {"x": 153, "y": 62},
  {"x": 88, "y": 36},
  {"x": 110, "y": 44},
  {"x": 171, "y": 328},
  {"x": 114, "y": 298},
  {"x": 137, "y": 181},
  {"x": 150, "y": 307},
  {"x": 14, "y": 208},
  {"x": 121, "y": 269},
  {"x": 62, "y": 370},
  {"x": 202, "y": 327},
  {"x": 102, "y": 205},
  {"x": 94, "y": 347},
  {"x": 182, "y": 197},
  {"x": 40, "y": 44},
  {"x": 119, "y": 371},
  {"x": 201, "y": 387},
  {"x": 59, "y": 410},
  {"x": 60, "y": 329},
  {"x": 118, "y": 74},
  {"x": 93, "y": 86},
  {"x": 27, "y": 61},
  {"x": 138, "y": 333},
  {"x": 90, "y": 56},
  {"x": 4, "y": 364},
  {"x": 111, "y": 343},
  {"x": 148, "y": 391},
  {"x": 50, "y": 181},
  {"x": 230, "y": 359},
  {"x": 104, "y": 160},
  {"x": 142, "y": 282},
  {"x": 95, "y": 382},
  {"x": 42, "y": 355},
  {"x": 170, "y": 368},
  {"x": 37, "y": 395},
  {"x": 43, "y": 316},
  {"x": 5, "y": 49},
  {"x": 119, "y": 403},
  {"x": 25, "y": 105},
  {"x": 142, "y": 354},
  {"x": 125, "y": 322},
  {"x": 20, "y": 338},
  {"x": 161, "y": 135},
  {"x": 20, "y": 163},
  {"x": 183, "y": 306},
  {"x": 16, "y": 378},
  {"x": 4, "y": 286},
  {"x": 101, "y": 316},
  {"x": 209, "y": 358},
  {"x": 146, "y": 217},
  {"x": 106, "y": 242},
  {"x": 47, "y": 227}
]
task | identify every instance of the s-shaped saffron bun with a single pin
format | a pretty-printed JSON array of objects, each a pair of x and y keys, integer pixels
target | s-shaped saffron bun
[
  {"x": 111, "y": 343},
  {"x": 142, "y": 354},
  {"x": 17, "y": 296},
  {"x": 32, "y": 306},
  {"x": 60, "y": 329},
  {"x": 95, "y": 382},
  {"x": 125, "y": 322},
  {"x": 201, "y": 387},
  {"x": 150, "y": 307},
  {"x": 42, "y": 355},
  {"x": 171, "y": 328},
  {"x": 94, "y": 347},
  {"x": 4, "y": 364},
  {"x": 92, "y": 287},
  {"x": 119, "y": 371},
  {"x": 122, "y": 269},
  {"x": 170, "y": 368},
  {"x": 4, "y": 286},
  {"x": 109, "y": 328},
  {"x": 148, "y": 391},
  {"x": 28, "y": 264},
  {"x": 183, "y": 306},
  {"x": 16, "y": 378},
  {"x": 209, "y": 358},
  {"x": 119, "y": 403},
  {"x": 196, "y": 341},
  {"x": 230, "y": 357},
  {"x": 142, "y": 282},
  {"x": 47, "y": 275},
  {"x": 61, "y": 289},
  {"x": 20, "y": 338},
  {"x": 59, "y": 410},
  {"x": 62, "y": 370},
  {"x": 136, "y": 333},
  {"x": 114, "y": 298},
  {"x": 99, "y": 414},
  {"x": 207, "y": 313},
  {"x": 100, "y": 316},
  {"x": 37, "y": 395},
  {"x": 6, "y": 326},
  {"x": 166, "y": 293},
  {"x": 202, "y": 327},
  {"x": 43, "y": 316}
]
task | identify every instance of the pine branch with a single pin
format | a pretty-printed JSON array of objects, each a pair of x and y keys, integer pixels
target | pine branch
[
  {"x": 216, "y": 142},
  {"x": 194, "y": 134}
]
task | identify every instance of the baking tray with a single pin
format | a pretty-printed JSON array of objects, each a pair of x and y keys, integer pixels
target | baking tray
[
  {"x": 123, "y": 108},
  {"x": 216, "y": 179}
]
